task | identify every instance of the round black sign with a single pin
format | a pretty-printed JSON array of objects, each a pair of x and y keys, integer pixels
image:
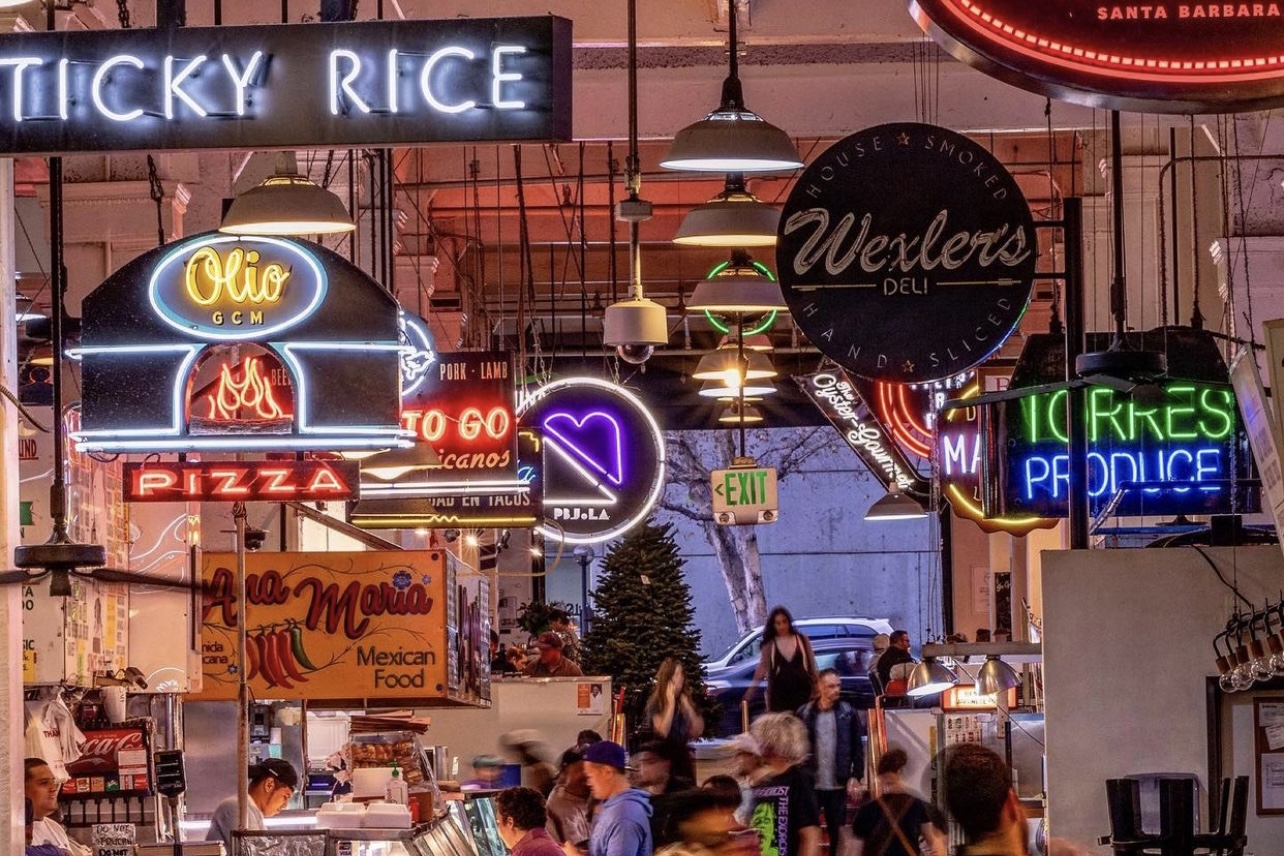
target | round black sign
[{"x": 906, "y": 253}]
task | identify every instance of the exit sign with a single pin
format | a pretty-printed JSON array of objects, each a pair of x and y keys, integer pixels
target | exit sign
[{"x": 744, "y": 495}]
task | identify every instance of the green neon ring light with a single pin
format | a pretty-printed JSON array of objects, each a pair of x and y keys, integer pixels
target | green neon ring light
[{"x": 767, "y": 321}]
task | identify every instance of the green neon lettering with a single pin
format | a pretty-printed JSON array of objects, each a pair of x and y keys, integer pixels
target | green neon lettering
[
  {"x": 1097, "y": 414},
  {"x": 1057, "y": 416},
  {"x": 1180, "y": 425},
  {"x": 1219, "y": 412},
  {"x": 1144, "y": 415}
]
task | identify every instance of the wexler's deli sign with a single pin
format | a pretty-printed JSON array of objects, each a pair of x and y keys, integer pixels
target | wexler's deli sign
[
  {"x": 337, "y": 85},
  {"x": 1166, "y": 57},
  {"x": 329, "y": 626},
  {"x": 906, "y": 253},
  {"x": 220, "y": 343}
]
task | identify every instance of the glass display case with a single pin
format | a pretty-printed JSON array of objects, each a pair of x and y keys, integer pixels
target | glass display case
[{"x": 468, "y": 828}]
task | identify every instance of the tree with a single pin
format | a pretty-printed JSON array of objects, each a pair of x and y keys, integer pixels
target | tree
[
  {"x": 642, "y": 614},
  {"x": 689, "y": 456}
]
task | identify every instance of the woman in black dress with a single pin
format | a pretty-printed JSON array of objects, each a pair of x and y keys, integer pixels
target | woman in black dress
[
  {"x": 786, "y": 662},
  {"x": 673, "y": 718}
]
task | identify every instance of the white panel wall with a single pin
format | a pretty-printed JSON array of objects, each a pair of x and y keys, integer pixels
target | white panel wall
[{"x": 1127, "y": 649}]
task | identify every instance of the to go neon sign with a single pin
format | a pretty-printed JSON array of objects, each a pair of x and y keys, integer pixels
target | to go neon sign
[{"x": 431, "y": 426}]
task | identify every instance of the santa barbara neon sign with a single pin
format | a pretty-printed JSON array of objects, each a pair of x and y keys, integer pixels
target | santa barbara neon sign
[{"x": 373, "y": 82}]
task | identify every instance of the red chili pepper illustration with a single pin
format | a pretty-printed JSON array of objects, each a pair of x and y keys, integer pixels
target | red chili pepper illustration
[
  {"x": 251, "y": 659},
  {"x": 270, "y": 644},
  {"x": 265, "y": 661},
  {"x": 285, "y": 657}
]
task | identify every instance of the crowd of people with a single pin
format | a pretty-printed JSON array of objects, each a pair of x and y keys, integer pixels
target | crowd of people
[
  {"x": 802, "y": 763},
  {"x": 552, "y": 654},
  {"x": 796, "y": 776}
]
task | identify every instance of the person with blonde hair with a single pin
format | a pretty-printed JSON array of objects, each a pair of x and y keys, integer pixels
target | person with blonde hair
[{"x": 785, "y": 812}]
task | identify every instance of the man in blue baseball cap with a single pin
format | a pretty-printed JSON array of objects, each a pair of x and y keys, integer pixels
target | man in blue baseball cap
[{"x": 622, "y": 825}]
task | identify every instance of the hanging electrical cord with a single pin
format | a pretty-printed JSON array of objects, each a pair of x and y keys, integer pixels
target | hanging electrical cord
[
  {"x": 1196, "y": 317},
  {"x": 157, "y": 193}
]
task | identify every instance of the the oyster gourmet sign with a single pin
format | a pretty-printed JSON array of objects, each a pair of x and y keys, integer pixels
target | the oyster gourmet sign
[
  {"x": 1167, "y": 57},
  {"x": 316, "y": 85},
  {"x": 906, "y": 253}
]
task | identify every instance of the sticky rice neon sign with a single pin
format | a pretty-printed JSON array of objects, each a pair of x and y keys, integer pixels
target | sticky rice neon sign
[
  {"x": 1177, "y": 453},
  {"x": 262, "y": 87}
]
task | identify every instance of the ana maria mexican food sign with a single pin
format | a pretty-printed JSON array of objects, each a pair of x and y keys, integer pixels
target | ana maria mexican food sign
[
  {"x": 1166, "y": 57},
  {"x": 329, "y": 626}
]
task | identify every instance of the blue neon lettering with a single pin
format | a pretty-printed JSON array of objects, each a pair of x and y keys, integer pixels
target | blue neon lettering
[{"x": 1048, "y": 475}]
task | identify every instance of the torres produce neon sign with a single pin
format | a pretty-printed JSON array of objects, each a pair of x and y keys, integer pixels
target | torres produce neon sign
[{"x": 1180, "y": 452}]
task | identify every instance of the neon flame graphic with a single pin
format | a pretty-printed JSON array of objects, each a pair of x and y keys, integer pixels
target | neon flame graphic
[{"x": 254, "y": 393}]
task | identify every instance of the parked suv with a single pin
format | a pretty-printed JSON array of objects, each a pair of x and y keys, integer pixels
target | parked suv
[
  {"x": 850, "y": 655},
  {"x": 815, "y": 628}
]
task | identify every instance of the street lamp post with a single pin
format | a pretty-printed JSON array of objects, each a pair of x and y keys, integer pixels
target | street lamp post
[{"x": 585, "y": 554}]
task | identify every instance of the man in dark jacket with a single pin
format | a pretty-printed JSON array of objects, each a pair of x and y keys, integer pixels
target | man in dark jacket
[
  {"x": 837, "y": 760},
  {"x": 896, "y": 654}
]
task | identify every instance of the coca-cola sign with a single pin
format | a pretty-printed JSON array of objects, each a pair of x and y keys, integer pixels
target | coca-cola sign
[
  {"x": 1154, "y": 57},
  {"x": 111, "y": 760},
  {"x": 906, "y": 253}
]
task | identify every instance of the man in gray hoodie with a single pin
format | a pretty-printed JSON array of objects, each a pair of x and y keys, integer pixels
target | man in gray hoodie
[{"x": 622, "y": 823}]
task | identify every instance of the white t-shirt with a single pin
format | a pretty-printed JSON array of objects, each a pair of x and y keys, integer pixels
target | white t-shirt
[
  {"x": 50, "y": 831},
  {"x": 225, "y": 820}
]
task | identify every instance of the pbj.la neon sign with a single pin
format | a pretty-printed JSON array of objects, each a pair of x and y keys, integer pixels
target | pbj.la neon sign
[{"x": 603, "y": 458}]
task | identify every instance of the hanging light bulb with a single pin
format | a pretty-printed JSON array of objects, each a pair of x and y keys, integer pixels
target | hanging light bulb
[
  {"x": 1242, "y": 677},
  {"x": 1261, "y": 660},
  {"x": 1225, "y": 666}
]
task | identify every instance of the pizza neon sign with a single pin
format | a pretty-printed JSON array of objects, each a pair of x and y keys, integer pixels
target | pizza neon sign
[{"x": 261, "y": 481}]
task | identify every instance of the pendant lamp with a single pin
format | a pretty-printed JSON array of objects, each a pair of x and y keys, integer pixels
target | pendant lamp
[
  {"x": 287, "y": 203},
  {"x": 734, "y": 414},
  {"x": 723, "y": 392},
  {"x": 732, "y": 138},
  {"x": 895, "y": 506},
  {"x": 740, "y": 286},
  {"x": 929, "y": 677},
  {"x": 733, "y": 218},
  {"x": 996, "y": 676},
  {"x": 728, "y": 365}
]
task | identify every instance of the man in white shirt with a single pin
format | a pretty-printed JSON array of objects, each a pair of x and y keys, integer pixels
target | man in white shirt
[{"x": 42, "y": 789}]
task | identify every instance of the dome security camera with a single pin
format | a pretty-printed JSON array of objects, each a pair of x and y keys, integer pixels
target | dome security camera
[
  {"x": 254, "y": 538},
  {"x": 635, "y": 354},
  {"x": 634, "y": 327}
]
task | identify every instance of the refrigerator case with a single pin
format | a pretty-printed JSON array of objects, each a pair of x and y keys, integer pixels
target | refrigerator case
[{"x": 441, "y": 837}]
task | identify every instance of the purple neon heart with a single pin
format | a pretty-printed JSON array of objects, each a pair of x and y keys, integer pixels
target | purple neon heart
[{"x": 596, "y": 439}]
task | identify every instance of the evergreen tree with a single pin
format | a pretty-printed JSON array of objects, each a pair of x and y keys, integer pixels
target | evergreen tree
[{"x": 642, "y": 614}]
